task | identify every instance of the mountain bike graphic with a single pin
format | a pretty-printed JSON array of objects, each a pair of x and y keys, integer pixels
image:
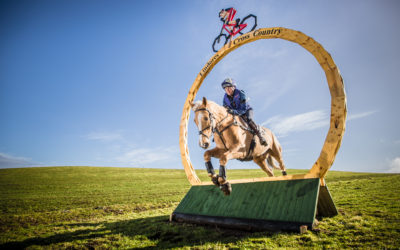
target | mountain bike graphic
[{"x": 233, "y": 27}]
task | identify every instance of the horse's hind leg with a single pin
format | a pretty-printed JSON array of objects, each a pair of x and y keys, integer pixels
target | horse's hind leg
[
  {"x": 278, "y": 158},
  {"x": 261, "y": 162}
]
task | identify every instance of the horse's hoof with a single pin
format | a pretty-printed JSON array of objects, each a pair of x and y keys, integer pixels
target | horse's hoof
[
  {"x": 284, "y": 173},
  {"x": 214, "y": 179},
  {"x": 226, "y": 188}
]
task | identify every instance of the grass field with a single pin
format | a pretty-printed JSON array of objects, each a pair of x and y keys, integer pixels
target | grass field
[{"x": 89, "y": 207}]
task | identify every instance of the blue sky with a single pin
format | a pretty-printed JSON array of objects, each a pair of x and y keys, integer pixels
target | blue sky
[{"x": 103, "y": 83}]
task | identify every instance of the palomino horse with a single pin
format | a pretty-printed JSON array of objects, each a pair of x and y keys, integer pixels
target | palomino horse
[{"x": 234, "y": 140}]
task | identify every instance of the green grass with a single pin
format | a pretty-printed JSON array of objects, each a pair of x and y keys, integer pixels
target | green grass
[{"x": 88, "y": 207}]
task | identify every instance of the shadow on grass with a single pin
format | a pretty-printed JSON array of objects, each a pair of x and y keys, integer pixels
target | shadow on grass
[{"x": 156, "y": 231}]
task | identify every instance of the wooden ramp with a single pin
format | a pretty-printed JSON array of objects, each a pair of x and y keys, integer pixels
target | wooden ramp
[{"x": 272, "y": 205}]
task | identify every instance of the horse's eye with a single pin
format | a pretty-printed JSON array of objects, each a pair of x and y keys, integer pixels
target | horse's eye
[{"x": 205, "y": 118}]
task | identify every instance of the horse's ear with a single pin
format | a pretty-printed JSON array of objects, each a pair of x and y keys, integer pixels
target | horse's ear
[{"x": 204, "y": 101}]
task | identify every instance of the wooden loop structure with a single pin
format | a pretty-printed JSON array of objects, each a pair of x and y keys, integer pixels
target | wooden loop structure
[
  {"x": 338, "y": 102},
  {"x": 269, "y": 203}
]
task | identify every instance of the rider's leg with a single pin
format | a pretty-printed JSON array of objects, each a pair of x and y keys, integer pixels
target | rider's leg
[
  {"x": 237, "y": 22},
  {"x": 253, "y": 126}
]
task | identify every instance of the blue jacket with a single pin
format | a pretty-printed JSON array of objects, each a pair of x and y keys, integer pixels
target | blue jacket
[{"x": 237, "y": 103}]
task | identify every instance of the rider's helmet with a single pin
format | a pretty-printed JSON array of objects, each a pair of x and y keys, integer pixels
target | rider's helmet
[
  {"x": 228, "y": 82},
  {"x": 220, "y": 13}
]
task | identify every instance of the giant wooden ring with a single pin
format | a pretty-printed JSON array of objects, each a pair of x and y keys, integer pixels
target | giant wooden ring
[{"x": 336, "y": 87}]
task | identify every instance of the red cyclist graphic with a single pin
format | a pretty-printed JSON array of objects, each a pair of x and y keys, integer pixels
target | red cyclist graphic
[{"x": 233, "y": 26}]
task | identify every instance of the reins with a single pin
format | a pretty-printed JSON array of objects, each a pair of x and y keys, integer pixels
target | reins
[{"x": 214, "y": 129}]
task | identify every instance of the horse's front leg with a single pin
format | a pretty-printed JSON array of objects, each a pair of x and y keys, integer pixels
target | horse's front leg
[
  {"x": 216, "y": 153},
  {"x": 223, "y": 160}
]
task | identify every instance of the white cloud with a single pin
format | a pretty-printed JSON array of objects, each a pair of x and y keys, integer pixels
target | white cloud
[
  {"x": 360, "y": 115},
  {"x": 141, "y": 156},
  {"x": 104, "y": 136},
  {"x": 9, "y": 161},
  {"x": 283, "y": 126},
  {"x": 394, "y": 166}
]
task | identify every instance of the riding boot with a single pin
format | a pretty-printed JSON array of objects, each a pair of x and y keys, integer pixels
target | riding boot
[
  {"x": 222, "y": 175},
  {"x": 254, "y": 127}
]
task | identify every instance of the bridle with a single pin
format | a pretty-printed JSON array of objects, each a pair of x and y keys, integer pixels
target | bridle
[
  {"x": 213, "y": 125},
  {"x": 212, "y": 120}
]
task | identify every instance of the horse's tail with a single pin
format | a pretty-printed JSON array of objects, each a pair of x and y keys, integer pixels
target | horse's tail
[
  {"x": 277, "y": 146},
  {"x": 271, "y": 162}
]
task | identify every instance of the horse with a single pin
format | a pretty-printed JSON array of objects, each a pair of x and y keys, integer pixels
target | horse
[{"x": 234, "y": 140}]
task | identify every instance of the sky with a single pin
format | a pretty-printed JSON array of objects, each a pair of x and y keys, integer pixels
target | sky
[{"x": 103, "y": 83}]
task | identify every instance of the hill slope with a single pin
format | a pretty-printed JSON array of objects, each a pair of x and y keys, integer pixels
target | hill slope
[{"x": 86, "y": 207}]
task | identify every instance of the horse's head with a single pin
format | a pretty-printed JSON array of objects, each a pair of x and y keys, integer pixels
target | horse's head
[{"x": 205, "y": 122}]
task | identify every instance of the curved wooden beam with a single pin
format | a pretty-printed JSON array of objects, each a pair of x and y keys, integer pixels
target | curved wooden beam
[{"x": 335, "y": 83}]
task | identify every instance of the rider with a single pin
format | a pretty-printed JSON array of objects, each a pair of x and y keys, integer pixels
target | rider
[
  {"x": 236, "y": 103},
  {"x": 227, "y": 16}
]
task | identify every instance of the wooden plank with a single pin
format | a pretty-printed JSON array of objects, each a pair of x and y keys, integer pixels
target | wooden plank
[
  {"x": 311, "y": 205},
  {"x": 274, "y": 178},
  {"x": 326, "y": 207},
  {"x": 239, "y": 223},
  {"x": 277, "y": 211},
  {"x": 289, "y": 201},
  {"x": 293, "y": 208}
]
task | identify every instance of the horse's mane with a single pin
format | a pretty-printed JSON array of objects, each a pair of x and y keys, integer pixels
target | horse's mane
[{"x": 197, "y": 104}]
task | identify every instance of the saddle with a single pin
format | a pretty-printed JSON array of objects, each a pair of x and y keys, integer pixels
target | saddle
[
  {"x": 245, "y": 127},
  {"x": 248, "y": 128}
]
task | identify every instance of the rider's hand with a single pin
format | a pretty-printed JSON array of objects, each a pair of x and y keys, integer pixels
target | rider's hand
[{"x": 232, "y": 112}]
